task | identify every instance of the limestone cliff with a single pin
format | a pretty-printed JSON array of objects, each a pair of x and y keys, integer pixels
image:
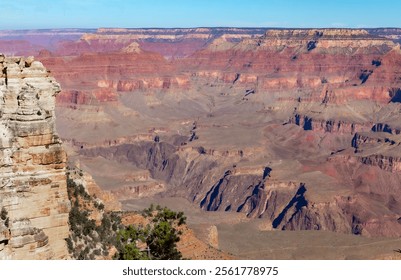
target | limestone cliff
[{"x": 33, "y": 194}]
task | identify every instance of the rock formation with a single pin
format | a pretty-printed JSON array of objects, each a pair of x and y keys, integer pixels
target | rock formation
[{"x": 33, "y": 194}]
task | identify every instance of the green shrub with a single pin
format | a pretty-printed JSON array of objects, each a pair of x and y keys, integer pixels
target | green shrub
[{"x": 160, "y": 236}]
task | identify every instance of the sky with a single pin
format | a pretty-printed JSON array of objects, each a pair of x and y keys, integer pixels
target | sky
[{"x": 39, "y": 14}]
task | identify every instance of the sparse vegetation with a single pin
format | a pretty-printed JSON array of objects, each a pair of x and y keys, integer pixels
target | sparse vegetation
[
  {"x": 311, "y": 45},
  {"x": 88, "y": 239},
  {"x": 155, "y": 240},
  {"x": 4, "y": 216},
  {"x": 376, "y": 62},
  {"x": 364, "y": 76},
  {"x": 201, "y": 150},
  {"x": 3, "y": 213}
]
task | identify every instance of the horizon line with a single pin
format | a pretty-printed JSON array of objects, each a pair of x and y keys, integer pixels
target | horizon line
[{"x": 197, "y": 27}]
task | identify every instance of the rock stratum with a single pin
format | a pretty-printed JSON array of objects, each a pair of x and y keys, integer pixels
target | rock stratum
[
  {"x": 297, "y": 129},
  {"x": 33, "y": 194}
]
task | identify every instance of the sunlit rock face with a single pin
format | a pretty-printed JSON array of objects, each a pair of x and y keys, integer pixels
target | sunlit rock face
[{"x": 33, "y": 195}]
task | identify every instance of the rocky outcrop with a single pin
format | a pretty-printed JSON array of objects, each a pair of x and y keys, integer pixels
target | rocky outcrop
[
  {"x": 324, "y": 40},
  {"x": 82, "y": 97},
  {"x": 101, "y": 76},
  {"x": 383, "y": 127},
  {"x": 32, "y": 168},
  {"x": 171, "y": 43},
  {"x": 390, "y": 163},
  {"x": 248, "y": 190},
  {"x": 378, "y": 148},
  {"x": 361, "y": 140},
  {"x": 332, "y": 126}
]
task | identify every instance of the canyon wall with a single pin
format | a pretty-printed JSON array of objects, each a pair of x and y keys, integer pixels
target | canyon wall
[{"x": 33, "y": 195}]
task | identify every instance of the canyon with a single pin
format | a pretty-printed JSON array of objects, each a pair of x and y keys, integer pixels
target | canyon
[{"x": 265, "y": 133}]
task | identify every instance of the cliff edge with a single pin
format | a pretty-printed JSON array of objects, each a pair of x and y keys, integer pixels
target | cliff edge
[{"x": 33, "y": 195}]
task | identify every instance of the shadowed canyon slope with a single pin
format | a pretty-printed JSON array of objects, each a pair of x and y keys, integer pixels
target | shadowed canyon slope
[{"x": 295, "y": 129}]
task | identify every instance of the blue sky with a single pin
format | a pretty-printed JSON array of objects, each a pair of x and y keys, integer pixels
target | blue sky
[{"x": 25, "y": 14}]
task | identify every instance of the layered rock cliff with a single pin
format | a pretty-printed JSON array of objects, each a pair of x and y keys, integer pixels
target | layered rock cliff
[{"x": 33, "y": 195}]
